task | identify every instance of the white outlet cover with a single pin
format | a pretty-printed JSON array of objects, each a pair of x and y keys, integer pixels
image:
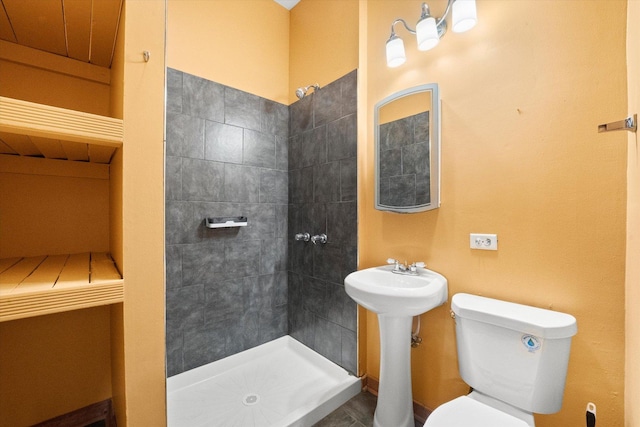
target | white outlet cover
[{"x": 483, "y": 241}]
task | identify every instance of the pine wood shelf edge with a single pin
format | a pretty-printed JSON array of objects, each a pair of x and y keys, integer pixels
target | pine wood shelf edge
[
  {"x": 35, "y": 286},
  {"x": 28, "y": 118}
]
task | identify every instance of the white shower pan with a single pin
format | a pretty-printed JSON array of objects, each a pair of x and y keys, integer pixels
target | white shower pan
[{"x": 277, "y": 384}]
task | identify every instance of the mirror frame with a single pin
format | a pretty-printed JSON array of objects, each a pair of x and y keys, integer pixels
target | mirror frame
[{"x": 434, "y": 149}]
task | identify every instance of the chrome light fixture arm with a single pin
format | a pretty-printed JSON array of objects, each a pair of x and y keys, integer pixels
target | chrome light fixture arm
[{"x": 429, "y": 29}]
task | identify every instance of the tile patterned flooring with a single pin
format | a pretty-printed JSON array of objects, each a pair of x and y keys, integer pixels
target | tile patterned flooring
[{"x": 357, "y": 412}]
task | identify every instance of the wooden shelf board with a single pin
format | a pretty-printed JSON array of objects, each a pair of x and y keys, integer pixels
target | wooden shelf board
[
  {"x": 59, "y": 125},
  {"x": 40, "y": 285}
]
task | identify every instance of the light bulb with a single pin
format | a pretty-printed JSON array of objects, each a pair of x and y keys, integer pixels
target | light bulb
[
  {"x": 395, "y": 52},
  {"x": 464, "y": 15},
  {"x": 427, "y": 33}
]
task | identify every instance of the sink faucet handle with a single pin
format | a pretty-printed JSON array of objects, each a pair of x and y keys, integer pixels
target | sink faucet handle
[
  {"x": 419, "y": 264},
  {"x": 391, "y": 261}
]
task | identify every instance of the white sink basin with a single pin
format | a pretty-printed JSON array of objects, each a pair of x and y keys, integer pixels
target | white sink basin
[
  {"x": 396, "y": 298},
  {"x": 383, "y": 292}
]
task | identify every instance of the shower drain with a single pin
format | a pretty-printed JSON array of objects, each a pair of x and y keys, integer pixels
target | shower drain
[{"x": 250, "y": 399}]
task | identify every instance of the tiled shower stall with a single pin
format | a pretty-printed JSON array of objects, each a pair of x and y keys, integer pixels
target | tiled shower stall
[{"x": 288, "y": 169}]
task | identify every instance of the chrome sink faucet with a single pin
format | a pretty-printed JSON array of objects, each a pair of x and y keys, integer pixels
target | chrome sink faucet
[{"x": 400, "y": 268}]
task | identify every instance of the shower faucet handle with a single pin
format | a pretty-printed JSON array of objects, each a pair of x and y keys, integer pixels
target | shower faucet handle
[
  {"x": 319, "y": 238},
  {"x": 305, "y": 237}
]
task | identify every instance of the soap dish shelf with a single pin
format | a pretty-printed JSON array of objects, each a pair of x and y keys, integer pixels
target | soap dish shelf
[{"x": 226, "y": 222}]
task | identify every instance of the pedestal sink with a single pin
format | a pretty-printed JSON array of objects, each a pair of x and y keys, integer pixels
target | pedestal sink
[{"x": 396, "y": 298}]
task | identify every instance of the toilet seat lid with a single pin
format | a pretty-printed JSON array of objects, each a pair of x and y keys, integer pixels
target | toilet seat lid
[{"x": 467, "y": 412}]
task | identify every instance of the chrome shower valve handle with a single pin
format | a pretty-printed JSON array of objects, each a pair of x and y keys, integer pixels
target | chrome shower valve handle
[
  {"x": 319, "y": 238},
  {"x": 305, "y": 237}
]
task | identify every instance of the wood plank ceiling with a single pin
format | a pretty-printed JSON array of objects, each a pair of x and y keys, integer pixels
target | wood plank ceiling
[{"x": 84, "y": 30}]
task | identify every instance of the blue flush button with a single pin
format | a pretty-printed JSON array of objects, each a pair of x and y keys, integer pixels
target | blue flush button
[{"x": 531, "y": 342}]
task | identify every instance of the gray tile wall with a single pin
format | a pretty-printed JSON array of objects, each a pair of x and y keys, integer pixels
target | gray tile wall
[
  {"x": 404, "y": 161},
  {"x": 226, "y": 155},
  {"x": 289, "y": 170},
  {"x": 323, "y": 199}
]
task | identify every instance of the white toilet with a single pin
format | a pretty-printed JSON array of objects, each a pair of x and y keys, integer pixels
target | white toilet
[{"x": 514, "y": 357}]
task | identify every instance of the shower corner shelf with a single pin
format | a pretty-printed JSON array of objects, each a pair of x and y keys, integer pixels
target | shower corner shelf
[{"x": 35, "y": 286}]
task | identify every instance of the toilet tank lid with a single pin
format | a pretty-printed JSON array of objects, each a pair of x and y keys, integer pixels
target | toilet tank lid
[{"x": 532, "y": 320}]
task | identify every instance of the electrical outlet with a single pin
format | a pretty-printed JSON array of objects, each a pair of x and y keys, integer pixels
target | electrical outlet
[{"x": 487, "y": 242}]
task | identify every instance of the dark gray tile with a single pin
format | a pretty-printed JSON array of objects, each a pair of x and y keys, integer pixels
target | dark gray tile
[
  {"x": 241, "y": 258},
  {"x": 202, "y": 98},
  {"x": 281, "y": 221},
  {"x": 174, "y": 91},
  {"x": 174, "y": 352},
  {"x": 185, "y": 136},
  {"x": 328, "y": 340},
  {"x": 348, "y": 180},
  {"x": 390, "y": 163},
  {"x": 342, "y": 138},
  {"x": 314, "y": 296},
  {"x": 273, "y": 255},
  {"x": 259, "y": 149},
  {"x": 201, "y": 262},
  {"x": 327, "y": 105},
  {"x": 301, "y": 116},
  {"x": 396, "y": 134},
  {"x": 174, "y": 266},
  {"x": 242, "y": 109},
  {"x": 301, "y": 185},
  {"x": 274, "y": 186},
  {"x": 349, "y": 350},
  {"x": 275, "y": 118},
  {"x": 280, "y": 295},
  {"x": 179, "y": 223},
  {"x": 338, "y": 418},
  {"x": 173, "y": 178},
  {"x": 349, "y": 85},
  {"x": 402, "y": 190},
  {"x": 314, "y": 146},
  {"x": 421, "y": 127},
  {"x": 342, "y": 222},
  {"x": 282, "y": 153},
  {"x": 241, "y": 183},
  {"x": 326, "y": 182},
  {"x": 362, "y": 407},
  {"x": 415, "y": 159},
  {"x": 185, "y": 307},
  {"x": 295, "y": 152},
  {"x": 202, "y": 345},
  {"x": 261, "y": 222},
  {"x": 224, "y": 300},
  {"x": 223, "y": 143},
  {"x": 202, "y": 180}
]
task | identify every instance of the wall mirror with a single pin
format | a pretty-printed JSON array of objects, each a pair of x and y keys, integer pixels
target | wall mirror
[{"x": 407, "y": 148}]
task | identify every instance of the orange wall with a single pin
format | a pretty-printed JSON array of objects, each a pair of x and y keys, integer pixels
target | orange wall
[
  {"x": 324, "y": 42},
  {"x": 521, "y": 100},
  {"x": 632, "y": 384},
  {"x": 138, "y": 336},
  {"x": 51, "y": 365},
  {"x": 242, "y": 44}
]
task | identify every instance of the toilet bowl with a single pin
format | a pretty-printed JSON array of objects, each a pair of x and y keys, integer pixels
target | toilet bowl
[{"x": 515, "y": 358}]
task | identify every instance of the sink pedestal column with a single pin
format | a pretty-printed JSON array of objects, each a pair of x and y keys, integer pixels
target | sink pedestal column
[{"x": 395, "y": 400}]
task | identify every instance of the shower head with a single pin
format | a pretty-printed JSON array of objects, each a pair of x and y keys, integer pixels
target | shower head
[{"x": 302, "y": 91}]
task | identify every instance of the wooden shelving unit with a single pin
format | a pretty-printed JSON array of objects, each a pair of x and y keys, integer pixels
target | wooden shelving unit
[
  {"x": 35, "y": 130},
  {"x": 33, "y": 286}
]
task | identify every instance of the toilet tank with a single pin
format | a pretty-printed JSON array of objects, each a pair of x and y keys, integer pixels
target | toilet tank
[{"x": 513, "y": 352}]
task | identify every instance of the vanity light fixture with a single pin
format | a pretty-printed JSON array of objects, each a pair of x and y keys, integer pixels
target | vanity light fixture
[{"x": 429, "y": 29}]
